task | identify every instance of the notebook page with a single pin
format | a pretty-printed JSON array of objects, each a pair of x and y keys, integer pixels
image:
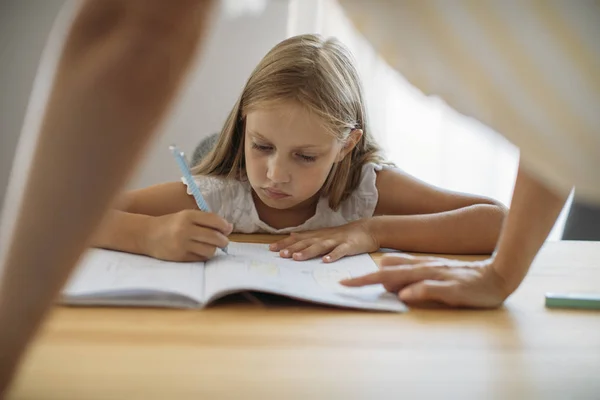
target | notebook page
[
  {"x": 104, "y": 272},
  {"x": 255, "y": 267}
]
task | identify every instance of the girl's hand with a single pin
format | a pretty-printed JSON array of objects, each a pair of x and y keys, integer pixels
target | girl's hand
[
  {"x": 451, "y": 282},
  {"x": 189, "y": 235},
  {"x": 334, "y": 243}
]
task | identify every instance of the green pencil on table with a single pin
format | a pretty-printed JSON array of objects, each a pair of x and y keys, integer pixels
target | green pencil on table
[{"x": 573, "y": 300}]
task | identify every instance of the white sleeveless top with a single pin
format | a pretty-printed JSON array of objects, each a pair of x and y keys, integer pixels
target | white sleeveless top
[{"x": 232, "y": 200}]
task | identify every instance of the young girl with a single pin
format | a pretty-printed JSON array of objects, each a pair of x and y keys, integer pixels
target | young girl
[{"x": 296, "y": 156}]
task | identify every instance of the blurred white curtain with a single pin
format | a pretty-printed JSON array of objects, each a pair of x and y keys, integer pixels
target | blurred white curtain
[{"x": 420, "y": 134}]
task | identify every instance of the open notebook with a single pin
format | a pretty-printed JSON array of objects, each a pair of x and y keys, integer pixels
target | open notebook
[{"x": 109, "y": 278}]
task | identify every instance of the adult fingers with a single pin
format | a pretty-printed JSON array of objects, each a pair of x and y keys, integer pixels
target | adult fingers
[
  {"x": 394, "y": 279},
  {"x": 431, "y": 290},
  {"x": 405, "y": 259}
]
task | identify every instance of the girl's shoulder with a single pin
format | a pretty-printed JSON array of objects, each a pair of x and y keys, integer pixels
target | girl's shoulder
[
  {"x": 363, "y": 200},
  {"x": 367, "y": 185},
  {"x": 222, "y": 195}
]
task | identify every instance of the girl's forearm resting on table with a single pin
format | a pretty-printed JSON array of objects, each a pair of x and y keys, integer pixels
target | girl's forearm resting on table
[
  {"x": 123, "y": 231},
  {"x": 470, "y": 230},
  {"x": 532, "y": 215}
]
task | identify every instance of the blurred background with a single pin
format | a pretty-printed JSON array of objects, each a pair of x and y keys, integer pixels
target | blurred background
[{"x": 420, "y": 134}]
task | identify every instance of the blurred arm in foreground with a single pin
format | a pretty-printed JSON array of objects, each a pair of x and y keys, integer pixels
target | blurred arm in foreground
[{"x": 121, "y": 66}]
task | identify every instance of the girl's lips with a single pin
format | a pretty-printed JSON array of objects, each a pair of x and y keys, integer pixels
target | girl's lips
[{"x": 275, "y": 194}]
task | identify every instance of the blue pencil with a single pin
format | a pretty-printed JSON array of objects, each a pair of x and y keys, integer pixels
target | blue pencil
[{"x": 187, "y": 174}]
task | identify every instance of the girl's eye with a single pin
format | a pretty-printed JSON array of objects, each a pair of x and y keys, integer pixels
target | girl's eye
[
  {"x": 267, "y": 149},
  {"x": 306, "y": 158},
  {"x": 261, "y": 147}
]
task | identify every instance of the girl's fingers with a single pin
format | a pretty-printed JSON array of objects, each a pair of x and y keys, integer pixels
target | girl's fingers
[
  {"x": 191, "y": 257},
  {"x": 297, "y": 237},
  {"x": 289, "y": 251},
  {"x": 340, "y": 251},
  {"x": 317, "y": 248},
  {"x": 210, "y": 220},
  {"x": 208, "y": 236},
  {"x": 284, "y": 243},
  {"x": 202, "y": 250}
]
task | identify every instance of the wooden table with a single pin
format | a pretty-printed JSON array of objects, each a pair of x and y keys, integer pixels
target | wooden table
[{"x": 296, "y": 351}]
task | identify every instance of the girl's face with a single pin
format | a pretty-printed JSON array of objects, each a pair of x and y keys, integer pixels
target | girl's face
[{"x": 288, "y": 154}]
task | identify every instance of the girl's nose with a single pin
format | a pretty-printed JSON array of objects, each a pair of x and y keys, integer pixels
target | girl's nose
[{"x": 277, "y": 172}]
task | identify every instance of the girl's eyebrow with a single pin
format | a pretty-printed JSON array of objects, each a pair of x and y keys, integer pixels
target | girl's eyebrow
[
  {"x": 306, "y": 147},
  {"x": 253, "y": 133}
]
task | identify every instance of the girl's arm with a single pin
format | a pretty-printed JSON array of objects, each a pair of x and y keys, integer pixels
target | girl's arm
[
  {"x": 411, "y": 216},
  {"x": 123, "y": 231},
  {"x": 414, "y": 216},
  {"x": 161, "y": 221},
  {"x": 127, "y": 226}
]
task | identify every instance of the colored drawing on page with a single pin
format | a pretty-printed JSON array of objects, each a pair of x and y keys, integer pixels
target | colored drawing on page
[
  {"x": 263, "y": 268},
  {"x": 330, "y": 278}
]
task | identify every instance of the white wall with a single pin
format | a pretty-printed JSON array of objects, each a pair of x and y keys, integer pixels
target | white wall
[
  {"x": 234, "y": 48},
  {"x": 24, "y": 29}
]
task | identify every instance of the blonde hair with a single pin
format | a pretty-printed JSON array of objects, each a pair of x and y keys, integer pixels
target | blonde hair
[{"x": 320, "y": 75}]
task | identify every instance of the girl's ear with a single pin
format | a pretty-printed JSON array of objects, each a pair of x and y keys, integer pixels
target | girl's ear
[{"x": 351, "y": 142}]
